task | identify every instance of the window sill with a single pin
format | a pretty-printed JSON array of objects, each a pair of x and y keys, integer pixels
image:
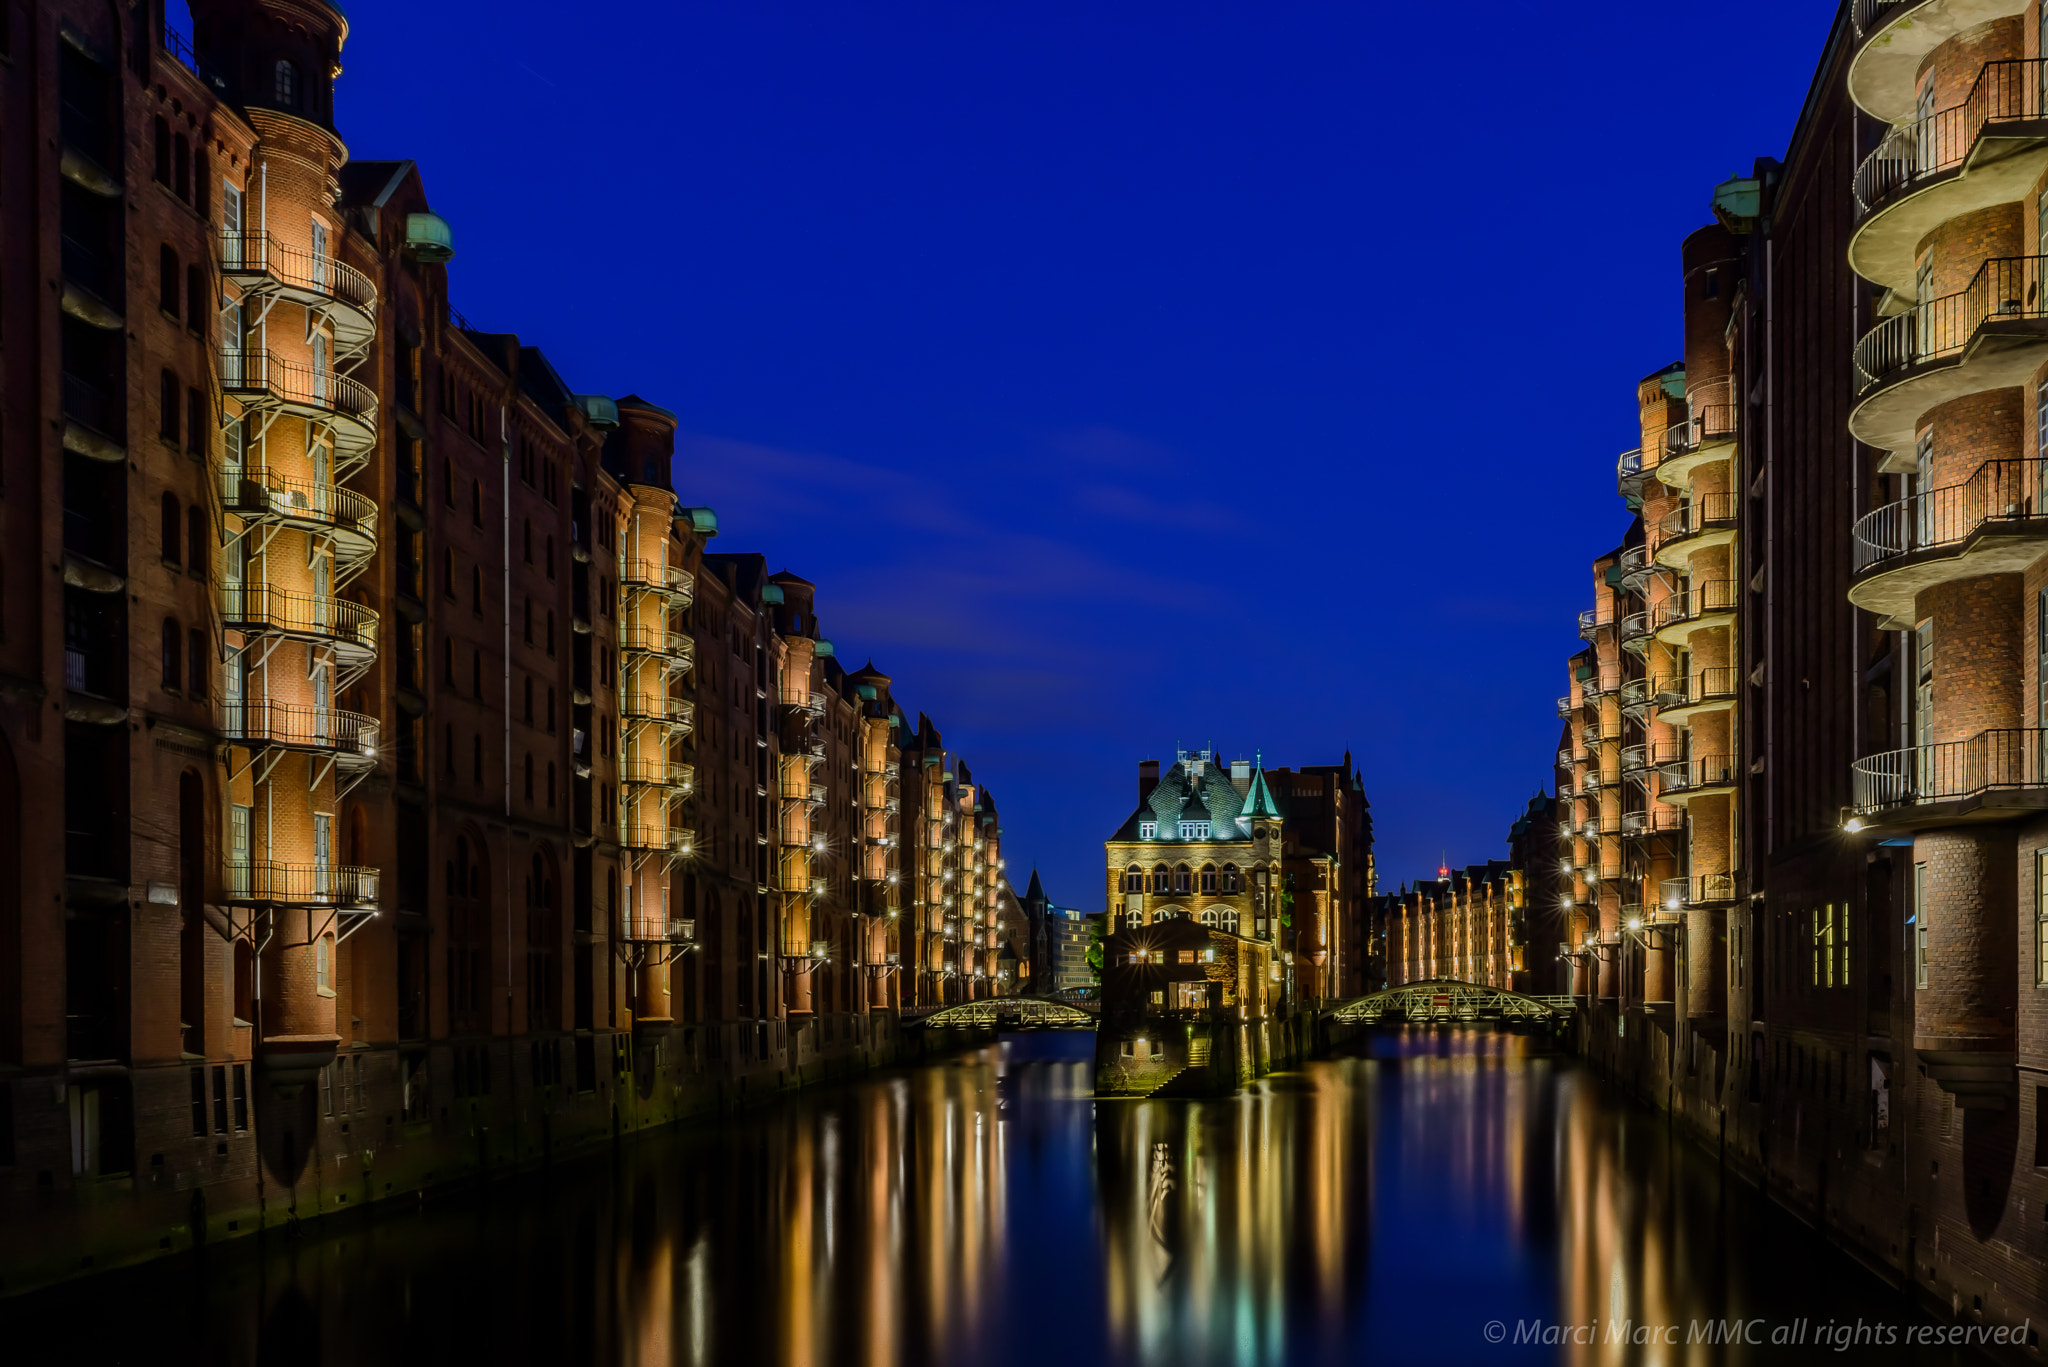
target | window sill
[{"x": 324, "y": 991}]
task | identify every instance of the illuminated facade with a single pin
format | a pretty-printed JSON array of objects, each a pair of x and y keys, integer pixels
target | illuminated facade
[{"x": 410, "y": 788}]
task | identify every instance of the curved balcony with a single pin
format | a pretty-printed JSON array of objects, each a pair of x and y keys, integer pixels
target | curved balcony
[
  {"x": 1635, "y": 567},
  {"x": 259, "y": 609},
  {"x": 657, "y": 928},
  {"x": 1687, "y": 777},
  {"x": 1698, "y": 694},
  {"x": 261, "y": 722},
  {"x": 1696, "y": 890},
  {"x": 649, "y": 771},
  {"x": 262, "y": 379},
  {"x": 659, "y": 708},
  {"x": 268, "y": 883},
  {"x": 1705, "y": 437},
  {"x": 1628, "y": 477},
  {"x": 1994, "y": 522},
  {"x": 1592, "y": 623},
  {"x": 1635, "y": 698},
  {"x": 1702, "y": 523},
  {"x": 255, "y": 494},
  {"x": 1894, "y": 36},
  {"x": 1635, "y": 632},
  {"x": 638, "y": 636},
  {"x": 1988, "y": 150},
  {"x": 1564, "y": 707},
  {"x": 1992, "y": 334},
  {"x": 652, "y": 576},
  {"x": 1987, "y": 776},
  {"x": 656, "y": 837},
  {"x": 1635, "y": 761},
  {"x": 260, "y": 264},
  {"x": 1658, "y": 818},
  {"x": 1702, "y": 607}
]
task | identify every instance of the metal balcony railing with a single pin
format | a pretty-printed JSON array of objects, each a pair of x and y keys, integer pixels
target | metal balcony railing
[
  {"x": 655, "y": 772},
  {"x": 1693, "y": 890},
  {"x": 655, "y": 835},
  {"x": 261, "y": 721},
  {"x": 2004, "y": 92},
  {"x": 258, "y": 374},
  {"x": 1702, "y": 513},
  {"x": 1707, "y": 685},
  {"x": 1998, "y": 490},
  {"x": 1635, "y": 626},
  {"x": 258, "y": 607},
  {"x": 655, "y": 638},
  {"x": 644, "y": 706},
  {"x": 1634, "y": 759},
  {"x": 656, "y": 576},
  {"x": 1711, "y": 419},
  {"x": 264, "y": 881},
  {"x": 252, "y": 257},
  {"x": 257, "y": 494},
  {"x": 1635, "y": 564},
  {"x": 1686, "y": 773},
  {"x": 1564, "y": 707},
  {"x": 1989, "y": 761},
  {"x": 1868, "y": 14},
  {"x": 1635, "y": 696},
  {"x": 1590, "y": 623},
  {"x": 2004, "y": 289},
  {"x": 1701, "y": 600},
  {"x": 1628, "y": 474}
]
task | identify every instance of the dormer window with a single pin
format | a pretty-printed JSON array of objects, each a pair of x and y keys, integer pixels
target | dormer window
[
  {"x": 287, "y": 85},
  {"x": 1148, "y": 830},
  {"x": 1194, "y": 830}
]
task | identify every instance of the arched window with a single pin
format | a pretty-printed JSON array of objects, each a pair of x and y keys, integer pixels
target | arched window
[
  {"x": 173, "y": 639},
  {"x": 1209, "y": 916},
  {"x": 1208, "y": 878},
  {"x": 1231, "y": 881},
  {"x": 1181, "y": 876},
  {"x": 1226, "y": 919},
  {"x": 287, "y": 85},
  {"x": 173, "y": 530},
  {"x": 1134, "y": 879},
  {"x": 167, "y": 280},
  {"x": 1162, "y": 881}
]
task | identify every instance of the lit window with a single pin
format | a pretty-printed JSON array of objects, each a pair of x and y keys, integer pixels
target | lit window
[{"x": 1148, "y": 830}]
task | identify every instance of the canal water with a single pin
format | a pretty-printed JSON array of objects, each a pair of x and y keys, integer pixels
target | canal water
[{"x": 1412, "y": 1201}]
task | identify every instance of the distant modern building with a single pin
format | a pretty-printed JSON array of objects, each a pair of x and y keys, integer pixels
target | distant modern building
[{"x": 1054, "y": 945}]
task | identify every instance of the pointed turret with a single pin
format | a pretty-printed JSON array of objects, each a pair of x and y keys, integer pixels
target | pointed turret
[{"x": 1258, "y": 799}]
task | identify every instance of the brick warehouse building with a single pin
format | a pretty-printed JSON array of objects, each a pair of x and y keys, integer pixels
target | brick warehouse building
[
  {"x": 1820, "y": 648},
  {"x": 394, "y": 785}
]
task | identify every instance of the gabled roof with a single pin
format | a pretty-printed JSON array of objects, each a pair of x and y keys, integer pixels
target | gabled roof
[{"x": 1258, "y": 799}]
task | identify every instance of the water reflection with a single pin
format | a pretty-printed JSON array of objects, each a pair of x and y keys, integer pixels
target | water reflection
[{"x": 1386, "y": 1205}]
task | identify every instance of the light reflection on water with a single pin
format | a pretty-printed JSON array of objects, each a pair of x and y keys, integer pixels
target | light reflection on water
[{"x": 1384, "y": 1205}]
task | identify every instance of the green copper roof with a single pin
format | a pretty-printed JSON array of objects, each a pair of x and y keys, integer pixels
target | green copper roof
[{"x": 1258, "y": 800}]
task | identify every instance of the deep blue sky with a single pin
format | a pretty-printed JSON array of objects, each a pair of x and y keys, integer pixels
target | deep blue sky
[{"x": 1124, "y": 374}]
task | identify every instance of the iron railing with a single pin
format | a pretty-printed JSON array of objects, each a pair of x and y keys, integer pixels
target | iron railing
[
  {"x": 250, "y": 256},
  {"x": 251, "y": 492},
  {"x": 1635, "y": 626},
  {"x": 655, "y": 638},
  {"x": 653, "y": 771},
  {"x": 258, "y": 606},
  {"x": 1707, "y": 597},
  {"x": 266, "y": 881},
  {"x": 1710, "y": 417},
  {"x": 1706, "y": 685},
  {"x": 1591, "y": 622},
  {"x": 258, "y": 371},
  {"x": 1702, "y": 513},
  {"x": 2004, "y": 92},
  {"x": 1989, "y": 761},
  {"x": 1628, "y": 474},
  {"x": 1687, "y": 773},
  {"x": 653, "y": 574},
  {"x": 1695, "y": 890},
  {"x": 642, "y": 706},
  {"x": 263, "y": 721},
  {"x": 2006, "y": 288},
  {"x": 1995, "y": 491},
  {"x": 1868, "y": 14}
]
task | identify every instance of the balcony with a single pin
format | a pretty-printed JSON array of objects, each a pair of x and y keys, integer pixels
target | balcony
[
  {"x": 1696, "y": 890},
  {"x": 1635, "y": 632},
  {"x": 1635, "y": 698},
  {"x": 255, "y": 494},
  {"x": 267, "y": 883},
  {"x": 1591, "y": 623},
  {"x": 1564, "y": 707},
  {"x": 1635, "y": 567},
  {"x": 340, "y": 293},
  {"x": 639, "y": 636},
  {"x": 263, "y": 380},
  {"x": 1988, "y": 150},
  {"x": 1657, "y": 819},
  {"x": 1701, "y": 607},
  {"x": 1986, "y": 777},
  {"x": 652, "y": 576},
  {"x": 1707, "y": 435},
  {"x": 1687, "y": 777},
  {"x": 258, "y": 609},
  {"x": 1893, "y": 37},
  {"x": 1635, "y": 761},
  {"x": 261, "y": 722},
  {"x": 658, "y": 708},
  {"x": 656, "y": 837},
  {"x": 1702, "y": 692},
  {"x": 1704, "y": 522},
  {"x": 645, "y": 771},
  {"x": 1628, "y": 477},
  {"x": 1991, "y": 523},
  {"x": 1992, "y": 334}
]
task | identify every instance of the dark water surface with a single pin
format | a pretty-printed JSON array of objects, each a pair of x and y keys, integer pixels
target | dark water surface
[{"x": 1382, "y": 1207}]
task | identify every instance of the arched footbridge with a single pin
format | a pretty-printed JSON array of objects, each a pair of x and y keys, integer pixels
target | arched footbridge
[
  {"x": 1017, "y": 1013},
  {"x": 1449, "y": 999}
]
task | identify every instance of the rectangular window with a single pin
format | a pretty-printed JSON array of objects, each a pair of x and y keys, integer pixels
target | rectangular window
[
  {"x": 220, "y": 1098},
  {"x": 323, "y": 851},
  {"x": 1920, "y": 925},
  {"x": 2041, "y": 916},
  {"x": 199, "y": 1102},
  {"x": 241, "y": 1098},
  {"x": 1842, "y": 943},
  {"x": 1817, "y": 948}
]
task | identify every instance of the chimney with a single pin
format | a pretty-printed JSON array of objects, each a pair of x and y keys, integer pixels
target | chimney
[{"x": 1148, "y": 777}]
